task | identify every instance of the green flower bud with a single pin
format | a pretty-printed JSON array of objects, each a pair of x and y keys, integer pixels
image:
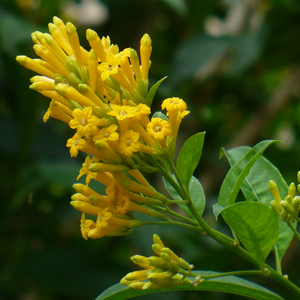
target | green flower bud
[
  {"x": 275, "y": 207},
  {"x": 136, "y": 285},
  {"x": 284, "y": 215},
  {"x": 288, "y": 207},
  {"x": 288, "y": 199},
  {"x": 155, "y": 261},
  {"x": 163, "y": 278}
]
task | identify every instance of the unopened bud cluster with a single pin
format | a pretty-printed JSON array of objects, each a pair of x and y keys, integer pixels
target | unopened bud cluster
[
  {"x": 162, "y": 271},
  {"x": 287, "y": 209}
]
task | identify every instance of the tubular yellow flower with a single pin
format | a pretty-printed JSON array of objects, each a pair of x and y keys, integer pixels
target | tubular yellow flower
[
  {"x": 42, "y": 85},
  {"x": 88, "y": 93},
  {"x": 76, "y": 143},
  {"x": 96, "y": 44},
  {"x": 135, "y": 64},
  {"x": 47, "y": 56},
  {"x": 83, "y": 121},
  {"x": 55, "y": 96},
  {"x": 85, "y": 207},
  {"x": 34, "y": 66},
  {"x": 275, "y": 191},
  {"x": 85, "y": 169},
  {"x": 60, "y": 25},
  {"x": 86, "y": 226},
  {"x": 60, "y": 37},
  {"x": 57, "y": 112},
  {"x": 129, "y": 143},
  {"x": 137, "y": 127},
  {"x": 174, "y": 104},
  {"x": 141, "y": 114},
  {"x": 93, "y": 69},
  {"x": 110, "y": 67},
  {"x": 55, "y": 48},
  {"x": 108, "y": 134},
  {"x": 103, "y": 216},
  {"x": 145, "y": 50},
  {"x": 69, "y": 92},
  {"x": 122, "y": 112},
  {"x": 158, "y": 128},
  {"x": 74, "y": 42}
]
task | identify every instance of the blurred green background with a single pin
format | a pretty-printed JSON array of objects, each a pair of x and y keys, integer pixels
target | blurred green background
[{"x": 235, "y": 63}]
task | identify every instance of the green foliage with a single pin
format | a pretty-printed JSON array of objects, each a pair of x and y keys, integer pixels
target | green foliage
[
  {"x": 256, "y": 226},
  {"x": 196, "y": 193},
  {"x": 189, "y": 157},
  {"x": 237, "y": 174},
  {"x": 255, "y": 188}
]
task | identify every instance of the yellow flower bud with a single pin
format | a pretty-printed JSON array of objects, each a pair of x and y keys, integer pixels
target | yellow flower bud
[
  {"x": 275, "y": 207},
  {"x": 275, "y": 191},
  {"x": 292, "y": 190},
  {"x": 157, "y": 249},
  {"x": 288, "y": 207},
  {"x": 157, "y": 240}
]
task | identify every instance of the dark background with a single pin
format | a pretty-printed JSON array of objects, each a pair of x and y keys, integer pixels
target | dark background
[{"x": 235, "y": 63}]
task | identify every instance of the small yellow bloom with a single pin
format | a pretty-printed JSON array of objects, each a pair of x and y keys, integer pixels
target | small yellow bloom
[
  {"x": 174, "y": 103},
  {"x": 158, "y": 128},
  {"x": 107, "y": 134},
  {"x": 76, "y": 143},
  {"x": 85, "y": 169},
  {"x": 122, "y": 112},
  {"x": 86, "y": 226},
  {"x": 83, "y": 121},
  {"x": 103, "y": 216},
  {"x": 129, "y": 143},
  {"x": 111, "y": 66}
]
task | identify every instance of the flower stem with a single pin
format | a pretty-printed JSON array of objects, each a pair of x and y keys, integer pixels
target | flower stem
[
  {"x": 175, "y": 223},
  {"x": 294, "y": 230}
]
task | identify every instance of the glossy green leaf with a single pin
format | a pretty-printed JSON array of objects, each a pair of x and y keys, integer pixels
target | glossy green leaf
[
  {"x": 189, "y": 157},
  {"x": 152, "y": 92},
  {"x": 238, "y": 172},
  {"x": 196, "y": 193},
  {"x": 256, "y": 226},
  {"x": 228, "y": 284},
  {"x": 256, "y": 188}
]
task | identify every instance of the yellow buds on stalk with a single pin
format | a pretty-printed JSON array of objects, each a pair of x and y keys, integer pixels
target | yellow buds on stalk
[
  {"x": 103, "y": 95},
  {"x": 289, "y": 208},
  {"x": 163, "y": 271}
]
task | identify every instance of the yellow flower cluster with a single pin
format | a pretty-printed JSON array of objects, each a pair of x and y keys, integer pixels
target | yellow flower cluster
[
  {"x": 162, "y": 271},
  {"x": 103, "y": 95}
]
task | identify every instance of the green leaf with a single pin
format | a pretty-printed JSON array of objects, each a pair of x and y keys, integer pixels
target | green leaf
[
  {"x": 256, "y": 188},
  {"x": 256, "y": 226},
  {"x": 152, "y": 92},
  {"x": 228, "y": 284},
  {"x": 160, "y": 115},
  {"x": 238, "y": 172},
  {"x": 196, "y": 193},
  {"x": 189, "y": 157}
]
